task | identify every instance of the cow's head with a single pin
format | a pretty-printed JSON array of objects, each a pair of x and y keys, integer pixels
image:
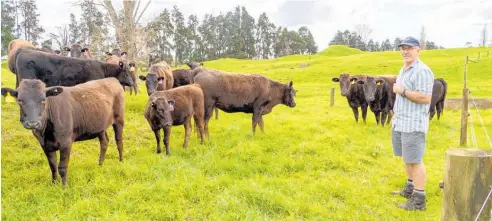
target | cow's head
[
  {"x": 85, "y": 52},
  {"x": 152, "y": 82},
  {"x": 76, "y": 51},
  {"x": 345, "y": 81},
  {"x": 289, "y": 95},
  {"x": 162, "y": 109},
  {"x": 370, "y": 86},
  {"x": 124, "y": 75},
  {"x": 194, "y": 65},
  {"x": 31, "y": 96}
]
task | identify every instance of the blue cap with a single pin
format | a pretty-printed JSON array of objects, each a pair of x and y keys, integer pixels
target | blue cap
[{"x": 410, "y": 41}]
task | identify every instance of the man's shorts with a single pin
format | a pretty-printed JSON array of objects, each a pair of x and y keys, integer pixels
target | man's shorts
[{"x": 411, "y": 145}]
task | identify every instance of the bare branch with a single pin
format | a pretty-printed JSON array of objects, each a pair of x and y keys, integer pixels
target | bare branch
[
  {"x": 135, "y": 10},
  {"x": 138, "y": 19}
]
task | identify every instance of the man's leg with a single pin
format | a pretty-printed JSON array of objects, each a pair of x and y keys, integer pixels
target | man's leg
[
  {"x": 413, "y": 148},
  {"x": 397, "y": 151}
]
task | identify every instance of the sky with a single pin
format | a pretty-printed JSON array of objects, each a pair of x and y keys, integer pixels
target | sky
[{"x": 449, "y": 23}]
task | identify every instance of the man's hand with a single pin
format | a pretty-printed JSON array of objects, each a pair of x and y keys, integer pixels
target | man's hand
[{"x": 397, "y": 89}]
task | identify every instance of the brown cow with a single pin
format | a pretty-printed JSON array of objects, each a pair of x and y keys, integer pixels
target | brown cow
[
  {"x": 439, "y": 91},
  {"x": 354, "y": 93},
  {"x": 175, "y": 107},
  {"x": 59, "y": 116},
  {"x": 12, "y": 49},
  {"x": 232, "y": 93},
  {"x": 133, "y": 75},
  {"x": 378, "y": 92},
  {"x": 159, "y": 78}
]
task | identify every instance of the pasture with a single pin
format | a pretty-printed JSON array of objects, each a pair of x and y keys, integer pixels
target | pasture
[{"x": 312, "y": 163}]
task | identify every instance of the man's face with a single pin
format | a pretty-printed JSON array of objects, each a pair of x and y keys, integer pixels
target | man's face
[{"x": 409, "y": 53}]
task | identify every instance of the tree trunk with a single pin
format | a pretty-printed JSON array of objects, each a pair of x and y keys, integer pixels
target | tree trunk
[{"x": 467, "y": 182}]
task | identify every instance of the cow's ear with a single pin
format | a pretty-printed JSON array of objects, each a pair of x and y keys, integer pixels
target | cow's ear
[
  {"x": 290, "y": 85},
  {"x": 335, "y": 79},
  {"x": 171, "y": 103},
  {"x": 107, "y": 53},
  {"x": 143, "y": 78},
  {"x": 360, "y": 82},
  {"x": 6, "y": 90},
  {"x": 53, "y": 91}
]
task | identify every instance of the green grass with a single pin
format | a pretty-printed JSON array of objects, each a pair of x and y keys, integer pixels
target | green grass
[{"x": 312, "y": 163}]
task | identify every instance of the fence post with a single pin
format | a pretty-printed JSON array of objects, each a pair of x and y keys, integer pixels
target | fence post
[
  {"x": 470, "y": 168},
  {"x": 464, "y": 110},
  {"x": 332, "y": 96}
]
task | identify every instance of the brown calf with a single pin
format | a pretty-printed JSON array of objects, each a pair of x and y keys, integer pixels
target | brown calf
[
  {"x": 175, "y": 107},
  {"x": 159, "y": 78},
  {"x": 59, "y": 116}
]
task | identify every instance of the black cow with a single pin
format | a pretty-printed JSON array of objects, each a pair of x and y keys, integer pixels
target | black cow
[
  {"x": 354, "y": 93},
  {"x": 378, "y": 92},
  {"x": 56, "y": 70},
  {"x": 439, "y": 91}
]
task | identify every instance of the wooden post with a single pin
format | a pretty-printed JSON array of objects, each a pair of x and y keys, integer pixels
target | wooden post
[
  {"x": 467, "y": 183},
  {"x": 464, "y": 111},
  {"x": 332, "y": 100}
]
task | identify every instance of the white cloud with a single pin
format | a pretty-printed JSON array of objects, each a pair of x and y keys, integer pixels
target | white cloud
[{"x": 448, "y": 23}]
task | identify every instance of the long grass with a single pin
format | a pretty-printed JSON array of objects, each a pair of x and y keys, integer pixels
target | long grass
[{"x": 312, "y": 163}]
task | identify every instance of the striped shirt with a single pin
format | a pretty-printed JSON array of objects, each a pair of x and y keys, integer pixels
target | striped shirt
[{"x": 410, "y": 116}]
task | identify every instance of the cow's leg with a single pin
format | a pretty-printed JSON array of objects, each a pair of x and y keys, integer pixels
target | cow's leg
[
  {"x": 216, "y": 113},
  {"x": 157, "y": 134},
  {"x": 118, "y": 136},
  {"x": 199, "y": 126},
  {"x": 384, "y": 114},
  {"x": 187, "y": 126},
  {"x": 167, "y": 132},
  {"x": 440, "y": 109},
  {"x": 364, "y": 112},
  {"x": 51, "y": 155},
  {"x": 208, "y": 114},
  {"x": 432, "y": 111},
  {"x": 261, "y": 123},
  {"x": 377, "y": 115},
  {"x": 65, "y": 147},
  {"x": 356, "y": 113},
  {"x": 103, "y": 142}
]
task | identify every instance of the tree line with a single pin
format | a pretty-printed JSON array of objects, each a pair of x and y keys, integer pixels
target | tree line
[{"x": 356, "y": 39}]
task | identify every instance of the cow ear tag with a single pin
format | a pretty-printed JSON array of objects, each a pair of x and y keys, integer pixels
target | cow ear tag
[
  {"x": 9, "y": 98},
  {"x": 352, "y": 82},
  {"x": 132, "y": 69},
  {"x": 378, "y": 84}
]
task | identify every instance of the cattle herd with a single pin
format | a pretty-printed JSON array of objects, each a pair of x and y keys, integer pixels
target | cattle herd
[
  {"x": 376, "y": 92},
  {"x": 66, "y": 99}
]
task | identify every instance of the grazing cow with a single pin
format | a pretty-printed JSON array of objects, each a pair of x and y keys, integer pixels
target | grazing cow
[
  {"x": 233, "y": 93},
  {"x": 439, "y": 91},
  {"x": 159, "y": 78},
  {"x": 354, "y": 93},
  {"x": 175, "y": 107},
  {"x": 56, "y": 70},
  {"x": 378, "y": 93},
  {"x": 59, "y": 116},
  {"x": 12, "y": 49}
]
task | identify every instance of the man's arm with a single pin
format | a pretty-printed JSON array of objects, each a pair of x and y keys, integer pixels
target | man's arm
[{"x": 424, "y": 82}]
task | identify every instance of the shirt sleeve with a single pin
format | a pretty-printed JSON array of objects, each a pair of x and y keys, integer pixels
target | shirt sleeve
[{"x": 424, "y": 81}]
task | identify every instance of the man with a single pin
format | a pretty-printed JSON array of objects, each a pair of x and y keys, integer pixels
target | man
[{"x": 410, "y": 123}]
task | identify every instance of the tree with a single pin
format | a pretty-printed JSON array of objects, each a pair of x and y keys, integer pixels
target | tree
[
  {"x": 263, "y": 39},
  {"x": 160, "y": 36},
  {"x": 30, "y": 22},
  {"x": 423, "y": 38},
  {"x": 247, "y": 32},
  {"x": 483, "y": 36},
  {"x": 73, "y": 30},
  {"x": 364, "y": 31},
  {"x": 181, "y": 47},
  {"x": 396, "y": 43},
  {"x": 62, "y": 38},
  {"x": 370, "y": 45},
  {"x": 127, "y": 23},
  {"x": 309, "y": 46},
  {"x": 8, "y": 24}
]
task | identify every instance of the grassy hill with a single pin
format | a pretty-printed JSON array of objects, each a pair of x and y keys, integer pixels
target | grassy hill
[{"x": 313, "y": 161}]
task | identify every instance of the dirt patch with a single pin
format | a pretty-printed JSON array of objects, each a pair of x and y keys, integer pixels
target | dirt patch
[{"x": 455, "y": 103}]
